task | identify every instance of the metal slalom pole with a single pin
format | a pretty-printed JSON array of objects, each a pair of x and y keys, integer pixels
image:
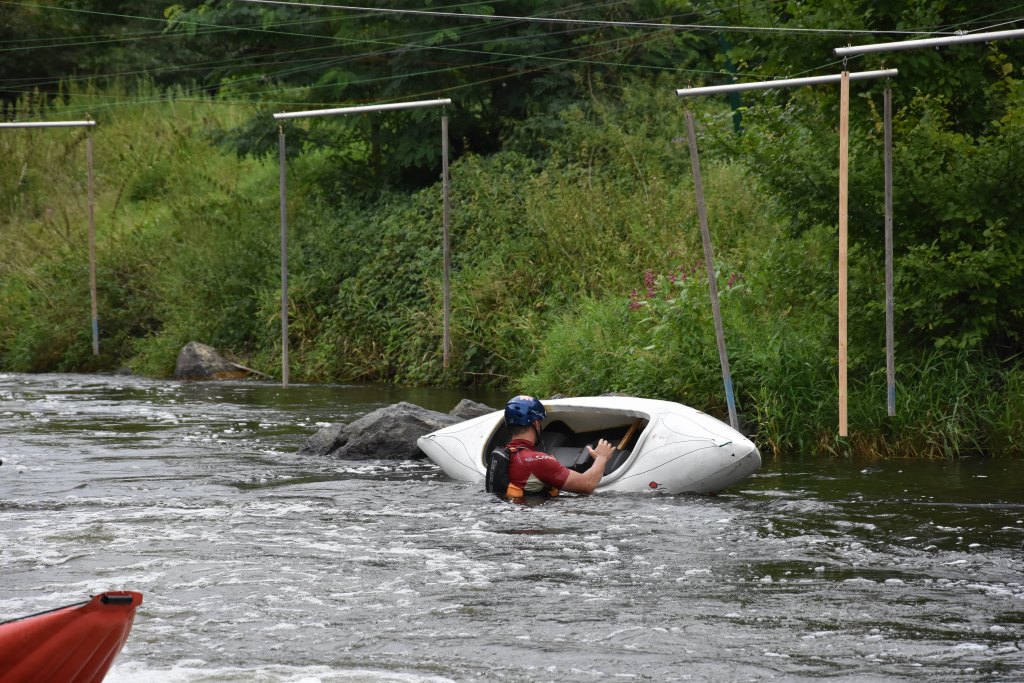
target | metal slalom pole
[
  {"x": 890, "y": 352},
  {"x": 91, "y": 211},
  {"x": 284, "y": 255},
  {"x": 446, "y": 344},
  {"x": 844, "y": 164},
  {"x": 709, "y": 262},
  {"x": 844, "y": 79},
  {"x": 344, "y": 111},
  {"x": 92, "y": 249},
  {"x": 928, "y": 42}
]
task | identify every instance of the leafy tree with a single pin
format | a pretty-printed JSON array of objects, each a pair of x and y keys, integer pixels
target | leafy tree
[
  {"x": 499, "y": 72},
  {"x": 801, "y": 36},
  {"x": 47, "y": 43},
  {"x": 958, "y": 139}
]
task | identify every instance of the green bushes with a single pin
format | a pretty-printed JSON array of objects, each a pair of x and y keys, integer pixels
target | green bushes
[
  {"x": 181, "y": 248},
  {"x": 780, "y": 327},
  {"x": 576, "y": 269},
  {"x": 959, "y": 275},
  {"x": 660, "y": 341}
]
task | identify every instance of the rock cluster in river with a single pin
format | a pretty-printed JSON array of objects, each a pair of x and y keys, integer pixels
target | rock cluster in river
[
  {"x": 388, "y": 433},
  {"x": 200, "y": 361}
]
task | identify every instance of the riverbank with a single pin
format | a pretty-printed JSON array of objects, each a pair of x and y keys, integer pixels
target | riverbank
[{"x": 573, "y": 272}]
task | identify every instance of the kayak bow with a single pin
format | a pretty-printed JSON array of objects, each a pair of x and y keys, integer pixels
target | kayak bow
[{"x": 74, "y": 643}]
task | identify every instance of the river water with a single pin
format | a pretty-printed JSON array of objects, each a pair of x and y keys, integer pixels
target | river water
[{"x": 261, "y": 565}]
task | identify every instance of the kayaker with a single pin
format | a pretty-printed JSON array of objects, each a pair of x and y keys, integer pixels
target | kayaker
[{"x": 534, "y": 473}]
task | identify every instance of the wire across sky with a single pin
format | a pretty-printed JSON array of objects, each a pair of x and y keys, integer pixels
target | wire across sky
[{"x": 468, "y": 37}]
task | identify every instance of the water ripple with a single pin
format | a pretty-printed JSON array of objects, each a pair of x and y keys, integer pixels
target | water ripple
[{"x": 260, "y": 564}]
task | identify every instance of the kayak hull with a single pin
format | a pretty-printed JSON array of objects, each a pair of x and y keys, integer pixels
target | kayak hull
[{"x": 663, "y": 446}]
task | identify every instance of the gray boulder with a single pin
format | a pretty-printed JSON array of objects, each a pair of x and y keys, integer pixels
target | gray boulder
[
  {"x": 200, "y": 361},
  {"x": 467, "y": 410},
  {"x": 325, "y": 440},
  {"x": 388, "y": 433}
]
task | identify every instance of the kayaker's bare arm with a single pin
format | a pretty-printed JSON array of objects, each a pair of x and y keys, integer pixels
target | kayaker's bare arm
[{"x": 586, "y": 482}]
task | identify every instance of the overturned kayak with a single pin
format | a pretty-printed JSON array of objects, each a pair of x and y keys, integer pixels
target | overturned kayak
[
  {"x": 74, "y": 643},
  {"x": 661, "y": 446}
]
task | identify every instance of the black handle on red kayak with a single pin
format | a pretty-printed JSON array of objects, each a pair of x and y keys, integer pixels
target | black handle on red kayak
[{"x": 116, "y": 599}]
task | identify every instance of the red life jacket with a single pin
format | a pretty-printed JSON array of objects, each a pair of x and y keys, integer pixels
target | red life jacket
[{"x": 514, "y": 490}]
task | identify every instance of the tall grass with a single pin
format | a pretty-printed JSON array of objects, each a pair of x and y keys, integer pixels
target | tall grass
[
  {"x": 180, "y": 235},
  {"x": 575, "y": 270}
]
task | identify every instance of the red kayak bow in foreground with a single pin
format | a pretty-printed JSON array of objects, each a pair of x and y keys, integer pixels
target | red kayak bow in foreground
[{"x": 75, "y": 643}]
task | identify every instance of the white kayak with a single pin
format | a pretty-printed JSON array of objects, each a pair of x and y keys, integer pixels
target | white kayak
[{"x": 661, "y": 446}]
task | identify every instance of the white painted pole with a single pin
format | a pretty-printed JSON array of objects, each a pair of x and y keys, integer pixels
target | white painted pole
[
  {"x": 786, "y": 82},
  {"x": 844, "y": 164},
  {"x": 92, "y": 249},
  {"x": 959, "y": 39},
  {"x": 282, "y": 175},
  {"x": 362, "y": 109},
  {"x": 46, "y": 124},
  {"x": 709, "y": 264},
  {"x": 446, "y": 343}
]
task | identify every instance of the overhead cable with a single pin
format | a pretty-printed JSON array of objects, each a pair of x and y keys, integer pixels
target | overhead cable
[{"x": 582, "y": 22}]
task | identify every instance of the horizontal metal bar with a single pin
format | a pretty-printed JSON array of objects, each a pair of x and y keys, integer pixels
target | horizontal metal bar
[
  {"x": 47, "y": 124},
  {"x": 928, "y": 42},
  {"x": 365, "y": 108},
  {"x": 785, "y": 83}
]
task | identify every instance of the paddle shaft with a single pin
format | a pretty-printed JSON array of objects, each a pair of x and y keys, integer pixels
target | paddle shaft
[{"x": 629, "y": 434}]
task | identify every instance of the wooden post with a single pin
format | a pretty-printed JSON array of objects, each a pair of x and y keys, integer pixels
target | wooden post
[
  {"x": 92, "y": 248},
  {"x": 844, "y": 163},
  {"x": 890, "y": 342},
  {"x": 284, "y": 256},
  {"x": 446, "y": 344},
  {"x": 709, "y": 263},
  {"x": 844, "y": 124}
]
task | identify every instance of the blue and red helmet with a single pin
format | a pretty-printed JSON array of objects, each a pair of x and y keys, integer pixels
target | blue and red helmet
[{"x": 523, "y": 410}]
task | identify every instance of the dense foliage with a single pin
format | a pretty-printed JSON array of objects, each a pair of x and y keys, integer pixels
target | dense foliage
[{"x": 577, "y": 264}]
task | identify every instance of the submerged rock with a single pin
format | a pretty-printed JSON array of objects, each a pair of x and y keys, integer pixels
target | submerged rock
[
  {"x": 388, "y": 433},
  {"x": 200, "y": 361},
  {"x": 325, "y": 440},
  {"x": 467, "y": 410}
]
